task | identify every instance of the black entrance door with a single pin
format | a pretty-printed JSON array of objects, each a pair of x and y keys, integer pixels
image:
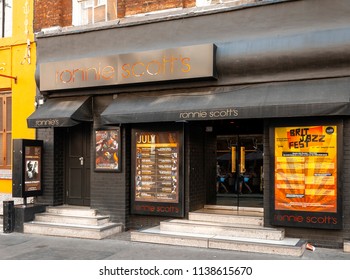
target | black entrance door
[
  {"x": 240, "y": 182},
  {"x": 78, "y": 165}
]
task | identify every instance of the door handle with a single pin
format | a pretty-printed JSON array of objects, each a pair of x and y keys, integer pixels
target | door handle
[{"x": 81, "y": 160}]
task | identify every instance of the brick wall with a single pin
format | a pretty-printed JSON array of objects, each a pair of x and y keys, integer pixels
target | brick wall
[
  {"x": 66, "y": 12},
  {"x": 53, "y": 166},
  {"x": 196, "y": 168},
  {"x": 110, "y": 190},
  {"x": 346, "y": 179},
  {"x": 47, "y": 135},
  {"x": 53, "y": 189},
  {"x": 59, "y": 165},
  {"x": 210, "y": 156},
  {"x": 49, "y": 13},
  {"x": 267, "y": 172}
]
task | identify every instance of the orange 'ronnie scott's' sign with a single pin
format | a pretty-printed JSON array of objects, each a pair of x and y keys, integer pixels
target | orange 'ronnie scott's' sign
[{"x": 149, "y": 66}]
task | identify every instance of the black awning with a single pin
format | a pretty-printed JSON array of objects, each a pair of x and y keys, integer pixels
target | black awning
[
  {"x": 270, "y": 100},
  {"x": 62, "y": 112}
]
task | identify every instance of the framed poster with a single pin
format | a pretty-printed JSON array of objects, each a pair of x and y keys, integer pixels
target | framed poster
[
  {"x": 306, "y": 191},
  {"x": 32, "y": 161},
  {"x": 107, "y": 152},
  {"x": 157, "y": 185},
  {"x": 27, "y": 167}
]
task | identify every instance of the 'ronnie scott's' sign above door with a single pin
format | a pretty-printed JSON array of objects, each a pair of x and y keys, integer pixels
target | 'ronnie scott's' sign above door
[{"x": 149, "y": 66}]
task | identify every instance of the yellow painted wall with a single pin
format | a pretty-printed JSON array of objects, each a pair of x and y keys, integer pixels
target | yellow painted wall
[{"x": 20, "y": 64}]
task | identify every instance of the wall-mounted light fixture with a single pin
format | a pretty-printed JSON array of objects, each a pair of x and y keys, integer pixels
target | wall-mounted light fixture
[{"x": 39, "y": 100}]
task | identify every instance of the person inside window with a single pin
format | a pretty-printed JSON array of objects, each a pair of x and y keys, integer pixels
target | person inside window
[
  {"x": 243, "y": 183},
  {"x": 220, "y": 179}
]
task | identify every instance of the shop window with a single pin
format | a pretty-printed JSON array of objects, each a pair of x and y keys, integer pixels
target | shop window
[
  {"x": 5, "y": 130},
  {"x": 5, "y": 18},
  {"x": 93, "y": 11}
]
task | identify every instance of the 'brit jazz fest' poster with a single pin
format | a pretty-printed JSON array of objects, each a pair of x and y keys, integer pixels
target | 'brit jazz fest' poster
[{"x": 306, "y": 174}]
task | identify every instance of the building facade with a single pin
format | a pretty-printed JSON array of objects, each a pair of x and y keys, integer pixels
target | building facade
[
  {"x": 150, "y": 117},
  {"x": 17, "y": 83}
]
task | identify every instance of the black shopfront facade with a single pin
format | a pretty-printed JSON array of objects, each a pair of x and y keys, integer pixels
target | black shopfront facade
[{"x": 132, "y": 112}]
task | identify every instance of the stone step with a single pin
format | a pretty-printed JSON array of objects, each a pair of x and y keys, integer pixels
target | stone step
[
  {"x": 216, "y": 228},
  {"x": 71, "y": 210},
  {"x": 78, "y": 231},
  {"x": 287, "y": 246},
  {"x": 346, "y": 246},
  {"x": 72, "y": 221},
  {"x": 257, "y": 211},
  {"x": 227, "y": 216},
  {"x": 68, "y": 219}
]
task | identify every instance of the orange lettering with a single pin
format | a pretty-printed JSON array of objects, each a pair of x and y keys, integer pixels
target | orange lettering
[
  {"x": 154, "y": 62},
  {"x": 126, "y": 70},
  {"x": 185, "y": 62},
  {"x": 107, "y": 72},
  {"x": 64, "y": 74},
  {"x": 133, "y": 69}
]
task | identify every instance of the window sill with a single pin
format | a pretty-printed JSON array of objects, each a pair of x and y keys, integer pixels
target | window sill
[{"x": 5, "y": 174}]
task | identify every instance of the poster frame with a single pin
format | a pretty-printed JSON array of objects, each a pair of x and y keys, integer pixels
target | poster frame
[
  {"x": 20, "y": 168},
  {"x": 169, "y": 209},
  {"x": 293, "y": 218},
  {"x": 109, "y": 129}
]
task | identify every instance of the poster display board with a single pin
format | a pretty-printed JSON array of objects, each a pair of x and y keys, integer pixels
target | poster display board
[
  {"x": 27, "y": 167},
  {"x": 156, "y": 187},
  {"x": 108, "y": 147},
  {"x": 306, "y": 176}
]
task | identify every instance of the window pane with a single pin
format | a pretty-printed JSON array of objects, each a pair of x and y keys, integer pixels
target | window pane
[
  {"x": 93, "y": 11},
  {"x": 87, "y": 3},
  {"x": 8, "y": 148},
  {"x": 112, "y": 10},
  {"x": 1, "y": 114},
  {"x": 5, "y": 129},
  {"x": 6, "y": 18},
  {"x": 8, "y": 114},
  {"x": 1, "y": 17},
  {"x": 87, "y": 12},
  {"x": 100, "y": 13},
  {"x": 1, "y": 149}
]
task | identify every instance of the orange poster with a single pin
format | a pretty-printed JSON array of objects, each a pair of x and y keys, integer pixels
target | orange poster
[
  {"x": 157, "y": 167},
  {"x": 306, "y": 168}
]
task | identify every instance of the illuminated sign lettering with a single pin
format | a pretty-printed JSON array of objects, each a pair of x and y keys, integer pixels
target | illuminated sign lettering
[{"x": 150, "y": 66}]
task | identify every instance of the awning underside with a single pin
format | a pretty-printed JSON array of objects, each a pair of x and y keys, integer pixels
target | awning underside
[
  {"x": 62, "y": 112},
  {"x": 271, "y": 100}
]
